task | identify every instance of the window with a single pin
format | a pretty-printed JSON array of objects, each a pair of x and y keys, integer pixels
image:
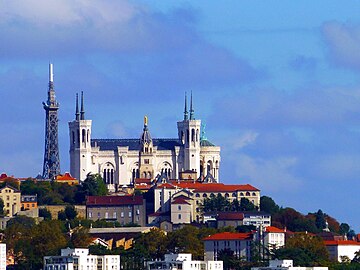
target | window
[
  {"x": 146, "y": 161},
  {"x": 137, "y": 211},
  {"x": 99, "y": 215},
  {"x": 106, "y": 215},
  {"x": 90, "y": 214},
  {"x": 179, "y": 216},
  {"x": 179, "y": 207},
  {"x": 130, "y": 214},
  {"x": 114, "y": 214},
  {"x": 122, "y": 214}
]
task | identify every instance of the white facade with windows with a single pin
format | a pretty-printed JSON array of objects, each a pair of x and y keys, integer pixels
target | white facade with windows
[
  {"x": 184, "y": 261},
  {"x": 286, "y": 265},
  {"x": 120, "y": 161},
  {"x": 2, "y": 256},
  {"x": 80, "y": 259}
]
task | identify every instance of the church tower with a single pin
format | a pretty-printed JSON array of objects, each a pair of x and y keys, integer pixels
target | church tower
[
  {"x": 189, "y": 135},
  {"x": 80, "y": 142},
  {"x": 146, "y": 156},
  {"x": 51, "y": 166}
]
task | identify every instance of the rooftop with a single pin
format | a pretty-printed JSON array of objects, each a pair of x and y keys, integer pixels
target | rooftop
[{"x": 229, "y": 236}]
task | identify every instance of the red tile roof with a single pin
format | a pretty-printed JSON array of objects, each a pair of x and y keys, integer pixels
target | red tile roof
[
  {"x": 166, "y": 185},
  {"x": 341, "y": 243},
  {"x": 230, "y": 216},
  {"x": 180, "y": 201},
  {"x": 213, "y": 187},
  {"x": 229, "y": 236},
  {"x": 114, "y": 200},
  {"x": 64, "y": 177},
  {"x": 271, "y": 229}
]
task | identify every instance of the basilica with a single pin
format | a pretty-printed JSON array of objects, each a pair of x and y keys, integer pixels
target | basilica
[{"x": 121, "y": 161}]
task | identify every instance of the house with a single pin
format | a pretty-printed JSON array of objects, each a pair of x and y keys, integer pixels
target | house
[
  {"x": 238, "y": 243},
  {"x": 124, "y": 209},
  {"x": 338, "y": 249},
  {"x": 273, "y": 237},
  {"x": 2, "y": 256},
  {"x": 29, "y": 202},
  {"x": 79, "y": 258},
  {"x": 183, "y": 261},
  {"x": 285, "y": 265},
  {"x": 257, "y": 218},
  {"x": 181, "y": 210},
  {"x": 233, "y": 219},
  {"x": 11, "y": 198},
  {"x": 67, "y": 179}
]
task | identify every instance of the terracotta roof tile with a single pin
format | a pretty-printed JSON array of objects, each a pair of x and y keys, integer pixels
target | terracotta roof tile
[
  {"x": 229, "y": 236},
  {"x": 180, "y": 201},
  {"x": 272, "y": 229},
  {"x": 230, "y": 216},
  {"x": 341, "y": 243}
]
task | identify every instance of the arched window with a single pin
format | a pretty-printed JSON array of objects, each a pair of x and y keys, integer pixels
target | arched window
[
  {"x": 193, "y": 135},
  {"x": 212, "y": 195},
  {"x": 241, "y": 194},
  {"x": 197, "y": 135},
  {"x": 227, "y": 195},
  {"x": 88, "y": 135},
  {"x": 83, "y": 136},
  {"x": 182, "y": 137},
  {"x": 254, "y": 194},
  {"x": 73, "y": 137},
  {"x": 205, "y": 195},
  {"x": 187, "y": 136},
  {"x": 144, "y": 174},
  {"x": 234, "y": 194},
  {"x": 197, "y": 195},
  {"x": 78, "y": 137},
  {"x": 248, "y": 193}
]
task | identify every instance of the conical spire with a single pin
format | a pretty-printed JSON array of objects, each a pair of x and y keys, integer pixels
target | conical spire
[
  {"x": 82, "y": 112},
  {"x": 185, "y": 109},
  {"x": 77, "y": 114},
  {"x": 191, "y": 109},
  {"x": 145, "y": 137}
]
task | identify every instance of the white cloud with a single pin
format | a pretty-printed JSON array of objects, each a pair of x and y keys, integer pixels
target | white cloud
[
  {"x": 272, "y": 175},
  {"x": 343, "y": 41},
  {"x": 245, "y": 139}
]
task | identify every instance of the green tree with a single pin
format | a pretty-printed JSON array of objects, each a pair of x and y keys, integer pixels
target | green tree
[
  {"x": 93, "y": 185},
  {"x": 80, "y": 238},
  {"x": 216, "y": 203},
  {"x": 70, "y": 212},
  {"x": 268, "y": 205},
  {"x": 2, "y": 214},
  {"x": 344, "y": 228},
  {"x": 320, "y": 220},
  {"x": 151, "y": 245},
  {"x": 186, "y": 240},
  {"x": 246, "y": 205},
  {"x": 62, "y": 215},
  {"x": 306, "y": 250},
  {"x": 45, "y": 213}
]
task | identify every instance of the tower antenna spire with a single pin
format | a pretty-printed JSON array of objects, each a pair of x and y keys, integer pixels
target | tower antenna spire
[
  {"x": 191, "y": 108},
  {"x": 185, "y": 109},
  {"x": 51, "y": 166},
  {"x": 77, "y": 114},
  {"x": 82, "y": 112}
]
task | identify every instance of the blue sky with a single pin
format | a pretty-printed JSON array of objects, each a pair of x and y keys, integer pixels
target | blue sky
[{"x": 277, "y": 84}]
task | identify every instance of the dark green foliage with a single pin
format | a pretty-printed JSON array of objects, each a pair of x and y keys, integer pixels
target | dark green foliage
[
  {"x": 61, "y": 215},
  {"x": 2, "y": 214},
  {"x": 245, "y": 228},
  {"x": 268, "y": 205},
  {"x": 46, "y": 214},
  {"x": 70, "y": 212},
  {"x": 294, "y": 221},
  {"x": 220, "y": 203},
  {"x": 344, "y": 228},
  {"x": 93, "y": 185},
  {"x": 320, "y": 221}
]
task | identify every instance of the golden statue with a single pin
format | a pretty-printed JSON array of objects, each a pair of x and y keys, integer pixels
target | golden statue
[{"x": 145, "y": 120}]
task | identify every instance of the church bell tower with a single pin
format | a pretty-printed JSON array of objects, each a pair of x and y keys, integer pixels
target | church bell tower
[
  {"x": 80, "y": 143},
  {"x": 189, "y": 135}
]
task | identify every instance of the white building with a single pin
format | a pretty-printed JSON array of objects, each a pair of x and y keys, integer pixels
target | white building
[
  {"x": 342, "y": 248},
  {"x": 286, "y": 265},
  {"x": 80, "y": 259},
  {"x": 120, "y": 161},
  {"x": 2, "y": 256},
  {"x": 273, "y": 237},
  {"x": 184, "y": 261}
]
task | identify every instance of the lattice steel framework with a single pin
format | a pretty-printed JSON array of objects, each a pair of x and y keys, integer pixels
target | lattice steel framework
[{"x": 51, "y": 166}]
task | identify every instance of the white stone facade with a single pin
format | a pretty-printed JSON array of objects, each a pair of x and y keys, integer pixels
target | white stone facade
[
  {"x": 286, "y": 265},
  {"x": 2, "y": 256},
  {"x": 184, "y": 261},
  {"x": 79, "y": 258},
  {"x": 120, "y": 161}
]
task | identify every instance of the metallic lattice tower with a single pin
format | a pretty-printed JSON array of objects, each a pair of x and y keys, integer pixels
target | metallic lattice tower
[{"x": 51, "y": 166}]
